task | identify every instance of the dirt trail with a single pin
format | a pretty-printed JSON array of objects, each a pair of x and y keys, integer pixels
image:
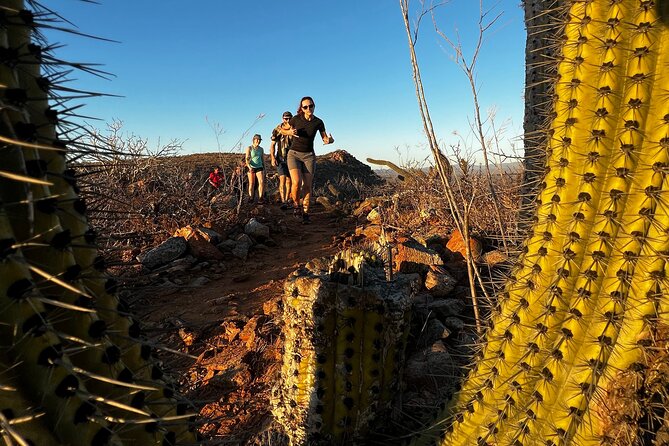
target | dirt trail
[{"x": 223, "y": 324}]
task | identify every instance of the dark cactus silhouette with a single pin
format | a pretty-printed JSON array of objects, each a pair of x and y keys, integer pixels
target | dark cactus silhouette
[{"x": 74, "y": 369}]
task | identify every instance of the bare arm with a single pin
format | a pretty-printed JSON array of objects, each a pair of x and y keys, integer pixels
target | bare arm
[
  {"x": 272, "y": 150},
  {"x": 289, "y": 131},
  {"x": 327, "y": 138}
]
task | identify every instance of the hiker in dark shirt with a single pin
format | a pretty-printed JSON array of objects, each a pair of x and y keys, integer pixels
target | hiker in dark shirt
[
  {"x": 279, "y": 154},
  {"x": 301, "y": 156}
]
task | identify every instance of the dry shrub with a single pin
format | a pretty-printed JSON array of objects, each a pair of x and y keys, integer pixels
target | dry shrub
[
  {"x": 137, "y": 196},
  {"x": 419, "y": 205}
]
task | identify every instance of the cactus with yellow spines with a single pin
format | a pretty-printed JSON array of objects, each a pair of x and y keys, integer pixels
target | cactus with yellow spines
[
  {"x": 49, "y": 255},
  {"x": 46, "y": 219},
  {"x": 587, "y": 297},
  {"x": 345, "y": 332}
]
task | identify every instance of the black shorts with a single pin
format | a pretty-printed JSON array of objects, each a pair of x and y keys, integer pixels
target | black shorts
[
  {"x": 256, "y": 169},
  {"x": 282, "y": 169}
]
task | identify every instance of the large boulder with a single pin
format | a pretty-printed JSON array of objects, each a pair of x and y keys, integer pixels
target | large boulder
[
  {"x": 169, "y": 250},
  {"x": 256, "y": 230}
]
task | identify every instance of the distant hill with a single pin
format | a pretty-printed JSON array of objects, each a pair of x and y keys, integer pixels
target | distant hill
[
  {"x": 333, "y": 166},
  {"x": 390, "y": 175}
]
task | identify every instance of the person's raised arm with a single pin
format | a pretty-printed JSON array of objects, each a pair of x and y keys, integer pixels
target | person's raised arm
[
  {"x": 289, "y": 131},
  {"x": 327, "y": 138},
  {"x": 273, "y": 147}
]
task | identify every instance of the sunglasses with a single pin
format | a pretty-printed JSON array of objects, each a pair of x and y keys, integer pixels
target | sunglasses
[
  {"x": 305, "y": 107},
  {"x": 286, "y": 119}
]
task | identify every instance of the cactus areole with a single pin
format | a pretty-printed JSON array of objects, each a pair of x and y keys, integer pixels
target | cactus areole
[{"x": 578, "y": 330}]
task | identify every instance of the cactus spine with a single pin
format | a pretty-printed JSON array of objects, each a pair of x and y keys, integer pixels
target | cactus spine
[
  {"x": 76, "y": 356},
  {"x": 587, "y": 301}
]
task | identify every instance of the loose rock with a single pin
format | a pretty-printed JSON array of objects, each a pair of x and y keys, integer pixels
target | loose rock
[
  {"x": 170, "y": 249},
  {"x": 457, "y": 244},
  {"x": 431, "y": 368},
  {"x": 455, "y": 324},
  {"x": 434, "y": 331},
  {"x": 439, "y": 282},
  {"x": 412, "y": 257},
  {"x": 445, "y": 308},
  {"x": 256, "y": 230}
]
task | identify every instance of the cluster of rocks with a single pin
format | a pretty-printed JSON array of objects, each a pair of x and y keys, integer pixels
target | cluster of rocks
[
  {"x": 443, "y": 319},
  {"x": 197, "y": 248},
  {"x": 441, "y": 315}
]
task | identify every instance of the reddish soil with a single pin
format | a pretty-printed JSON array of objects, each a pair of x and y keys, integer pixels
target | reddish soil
[{"x": 229, "y": 327}]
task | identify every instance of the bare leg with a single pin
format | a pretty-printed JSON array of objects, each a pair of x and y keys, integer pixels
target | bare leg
[
  {"x": 261, "y": 184},
  {"x": 296, "y": 180},
  {"x": 306, "y": 190},
  {"x": 252, "y": 184},
  {"x": 282, "y": 190},
  {"x": 286, "y": 193}
]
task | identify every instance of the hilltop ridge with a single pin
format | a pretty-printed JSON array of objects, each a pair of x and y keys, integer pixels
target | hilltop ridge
[{"x": 332, "y": 166}]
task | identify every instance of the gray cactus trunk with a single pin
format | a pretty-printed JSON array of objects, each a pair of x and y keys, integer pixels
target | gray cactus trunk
[{"x": 543, "y": 24}]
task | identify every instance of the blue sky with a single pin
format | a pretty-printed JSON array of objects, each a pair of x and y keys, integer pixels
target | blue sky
[{"x": 182, "y": 67}]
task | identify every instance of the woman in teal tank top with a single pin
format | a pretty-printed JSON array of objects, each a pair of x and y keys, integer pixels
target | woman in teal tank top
[{"x": 254, "y": 161}]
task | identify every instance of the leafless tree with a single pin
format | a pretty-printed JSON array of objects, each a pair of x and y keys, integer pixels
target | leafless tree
[{"x": 457, "y": 187}]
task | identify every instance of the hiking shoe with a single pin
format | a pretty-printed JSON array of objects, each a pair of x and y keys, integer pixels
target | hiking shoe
[
  {"x": 306, "y": 219},
  {"x": 297, "y": 212}
]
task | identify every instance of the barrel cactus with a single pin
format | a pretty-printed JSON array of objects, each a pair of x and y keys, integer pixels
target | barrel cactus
[
  {"x": 73, "y": 369},
  {"x": 576, "y": 351},
  {"x": 345, "y": 331}
]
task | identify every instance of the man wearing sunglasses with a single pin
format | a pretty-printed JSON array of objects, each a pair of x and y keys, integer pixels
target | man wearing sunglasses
[
  {"x": 301, "y": 156},
  {"x": 279, "y": 154}
]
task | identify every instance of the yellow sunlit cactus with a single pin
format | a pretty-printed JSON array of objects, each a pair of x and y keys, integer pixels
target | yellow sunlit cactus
[{"x": 587, "y": 302}]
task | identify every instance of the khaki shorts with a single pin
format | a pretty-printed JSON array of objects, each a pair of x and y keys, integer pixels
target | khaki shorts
[{"x": 305, "y": 161}]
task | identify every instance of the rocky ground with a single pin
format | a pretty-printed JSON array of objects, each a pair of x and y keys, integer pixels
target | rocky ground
[
  {"x": 221, "y": 313},
  {"x": 215, "y": 299}
]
